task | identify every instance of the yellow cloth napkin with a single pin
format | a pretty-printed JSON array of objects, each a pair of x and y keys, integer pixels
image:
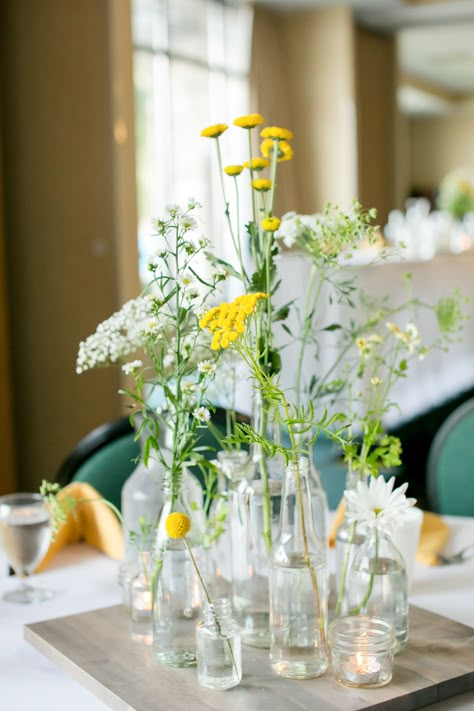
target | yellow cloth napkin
[
  {"x": 92, "y": 522},
  {"x": 433, "y": 536}
]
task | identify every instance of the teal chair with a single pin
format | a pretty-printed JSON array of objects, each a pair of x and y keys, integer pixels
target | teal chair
[{"x": 450, "y": 466}]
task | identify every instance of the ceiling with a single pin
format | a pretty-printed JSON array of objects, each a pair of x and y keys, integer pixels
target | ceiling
[{"x": 435, "y": 42}]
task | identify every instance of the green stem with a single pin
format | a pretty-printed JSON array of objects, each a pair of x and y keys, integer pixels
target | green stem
[
  {"x": 306, "y": 326},
  {"x": 273, "y": 172},
  {"x": 357, "y": 610},
  {"x": 252, "y": 196}
]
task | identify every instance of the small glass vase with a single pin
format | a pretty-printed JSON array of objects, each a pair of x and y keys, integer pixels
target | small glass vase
[
  {"x": 141, "y": 600},
  {"x": 377, "y": 584},
  {"x": 219, "y": 654},
  {"x": 177, "y": 590},
  {"x": 255, "y": 515},
  {"x": 362, "y": 650},
  {"x": 298, "y": 584}
]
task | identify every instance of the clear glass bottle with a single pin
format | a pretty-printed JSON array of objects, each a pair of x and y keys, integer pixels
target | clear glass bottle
[
  {"x": 255, "y": 515},
  {"x": 350, "y": 537},
  {"x": 141, "y": 601},
  {"x": 319, "y": 501},
  {"x": 219, "y": 654},
  {"x": 377, "y": 584},
  {"x": 298, "y": 584},
  {"x": 177, "y": 596},
  {"x": 234, "y": 466},
  {"x": 362, "y": 650}
]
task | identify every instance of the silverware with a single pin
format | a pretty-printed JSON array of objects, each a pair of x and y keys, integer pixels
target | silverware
[{"x": 459, "y": 557}]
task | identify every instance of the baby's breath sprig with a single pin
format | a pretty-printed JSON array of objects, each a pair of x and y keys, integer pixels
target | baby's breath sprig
[{"x": 59, "y": 509}]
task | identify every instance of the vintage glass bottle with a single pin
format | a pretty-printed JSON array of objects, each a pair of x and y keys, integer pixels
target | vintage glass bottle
[
  {"x": 377, "y": 584},
  {"x": 298, "y": 584},
  {"x": 219, "y": 655}
]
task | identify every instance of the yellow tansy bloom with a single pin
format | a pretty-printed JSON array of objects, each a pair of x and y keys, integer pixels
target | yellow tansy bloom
[
  {"x": 257, "y": 163},
  {"x": 270, "y": 224},
  {"x": 262, "y": 184},
  {"x": 233, "y": 169},
  {"x": 230, "y": 319},
  {"x": 277, "y": 133},
  {"x": 177, "y": 525},
  {"x": 249, "y": 121},
  {"x": 285, "y": 151},
  {"x": 214, "y": 131}
]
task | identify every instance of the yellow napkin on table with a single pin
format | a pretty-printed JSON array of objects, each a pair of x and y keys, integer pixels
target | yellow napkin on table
[
  {"x": 91, "y": 522},
  {"x": 433, "y": 536}
]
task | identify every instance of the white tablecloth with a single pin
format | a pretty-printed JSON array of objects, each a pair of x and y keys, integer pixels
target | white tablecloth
[{"x": 84, "y": 579}]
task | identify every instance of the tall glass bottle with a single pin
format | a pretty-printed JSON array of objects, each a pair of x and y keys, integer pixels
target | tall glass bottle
[
  {"x": 177, "y": 591},
  {"x": 377, "y": 584},
  {"x": 298, "y": 584},
  {"x": 255, "y": 514},
  {"x": 319, "y": 501},
  {"x": 350, "y": 537}
]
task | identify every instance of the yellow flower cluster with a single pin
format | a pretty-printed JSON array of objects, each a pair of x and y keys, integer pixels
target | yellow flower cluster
[
  {"x": 276, "y": 133},
  {"x": 214, "y": 131},
  {"x": 249, "y": 121},
  {"x": 227, "y": 321},
  {"x": 257, "y": 163},
  {"x": 285, "y": 151},
  {"x": 177, "y": 525},
  {"x": 233, "y": 169},
  {"x": 262, "y": 184},
  {"x": 270, "y": 224}
]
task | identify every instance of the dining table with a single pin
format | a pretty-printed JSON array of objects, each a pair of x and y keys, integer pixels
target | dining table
[{"x": 82, "y": 579}]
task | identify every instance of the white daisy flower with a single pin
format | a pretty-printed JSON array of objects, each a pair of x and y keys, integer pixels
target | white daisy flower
[
  {"x": 130, "y": 368},
  {"x": 206, "y": 367},
  {"x": 168, "y": 360},
  {"x": 202, "y": 414},
  {"x": 193, "y": 203},
  {"x": 376, "y": 504},
  {"x": 186, "y": 223},
  {"x": 174, "y": 210}
]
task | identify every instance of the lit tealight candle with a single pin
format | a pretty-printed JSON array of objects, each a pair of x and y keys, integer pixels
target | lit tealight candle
[{"x": 362, "y": 669}]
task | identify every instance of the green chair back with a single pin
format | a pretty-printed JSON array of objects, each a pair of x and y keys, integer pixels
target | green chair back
[{"x": 450, "y": 468}]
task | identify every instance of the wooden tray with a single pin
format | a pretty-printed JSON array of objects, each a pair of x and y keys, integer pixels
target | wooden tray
[{"x": 97, "y": 650}]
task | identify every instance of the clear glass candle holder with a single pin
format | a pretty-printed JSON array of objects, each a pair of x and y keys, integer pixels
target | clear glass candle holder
[{"x": 362, "y": 650}]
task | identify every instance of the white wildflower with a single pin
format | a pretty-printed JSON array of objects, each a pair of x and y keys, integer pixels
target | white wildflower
[
  {"x": 174, "y": 210},
  {"x": 376, "y": 504},
  {"x": 202, "y": 414},
  {"x": 186, "y": 223},
  {"x": 193, "y": 204},
  {"x": 132, "y": 367},
  {"x": 376, "y": 381},
  {"x": 168, "y": 360},
  {"x": 206, "y": 367},
  {"x": 187, "y": 280}
]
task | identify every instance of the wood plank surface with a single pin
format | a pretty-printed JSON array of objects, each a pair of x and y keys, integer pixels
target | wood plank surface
[{"x": 96, "y": 649}]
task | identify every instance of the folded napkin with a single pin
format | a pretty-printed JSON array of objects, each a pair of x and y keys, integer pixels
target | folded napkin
[
  {"x": 91, "y": 522},
  {"x": 433, "y": 536}
]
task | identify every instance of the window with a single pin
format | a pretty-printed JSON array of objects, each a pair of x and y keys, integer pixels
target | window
[{"x": 191, "y": 65}]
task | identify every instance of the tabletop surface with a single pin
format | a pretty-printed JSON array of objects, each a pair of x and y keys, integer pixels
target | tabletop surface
[{"x": 84, "y": 579}]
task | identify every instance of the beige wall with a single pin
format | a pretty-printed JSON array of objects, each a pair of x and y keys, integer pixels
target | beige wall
[
  {"x": 439, "y": 145},
  {"x": 63, "y": 253},
  {"x": 375, "y": 76}
]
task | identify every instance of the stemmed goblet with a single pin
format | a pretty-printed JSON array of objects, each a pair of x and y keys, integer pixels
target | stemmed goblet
[{"x": 25, "y": 535}]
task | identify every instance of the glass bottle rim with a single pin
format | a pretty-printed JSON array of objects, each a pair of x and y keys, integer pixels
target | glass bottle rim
[{"x": 361, "y": 633}]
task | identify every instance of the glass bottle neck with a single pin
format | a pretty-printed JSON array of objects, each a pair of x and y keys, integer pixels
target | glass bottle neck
[
  {"x": 297, "y": 528},
  {"x": 220, "y": 609}
]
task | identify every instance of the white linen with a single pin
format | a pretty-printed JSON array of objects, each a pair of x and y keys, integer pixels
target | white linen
[{"x": 85, "y": 579}]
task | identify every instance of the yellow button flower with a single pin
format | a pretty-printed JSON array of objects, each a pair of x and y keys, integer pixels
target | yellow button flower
[
  {"x": 230, "y": 319},
  {"x": 262, "y": 184},
  {"x": 249, "y": 121},
  {"x": 233, "y": 169},
  {"x": 276, "y": 133},
  {"x": 214, "y": 131},
  {"x": 257, "y": 163},
  {"x": 270, "y": 224},
  {"x": 285, "y": 151},
  {"x": 177, "y": 525}
]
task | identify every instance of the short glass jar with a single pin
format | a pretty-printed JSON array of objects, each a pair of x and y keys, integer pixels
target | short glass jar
[
  {"x": 362, "y": 650},
  {"x": 219, "y": 655}
]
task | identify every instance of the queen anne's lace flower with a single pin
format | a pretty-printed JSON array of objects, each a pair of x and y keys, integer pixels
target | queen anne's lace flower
[
  {"x": 117, "y": 337},
  {"x": 376, "y": 504}
]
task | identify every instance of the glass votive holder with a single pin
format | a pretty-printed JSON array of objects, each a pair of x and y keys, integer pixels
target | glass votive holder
[{"x": 362, "y": 650}]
